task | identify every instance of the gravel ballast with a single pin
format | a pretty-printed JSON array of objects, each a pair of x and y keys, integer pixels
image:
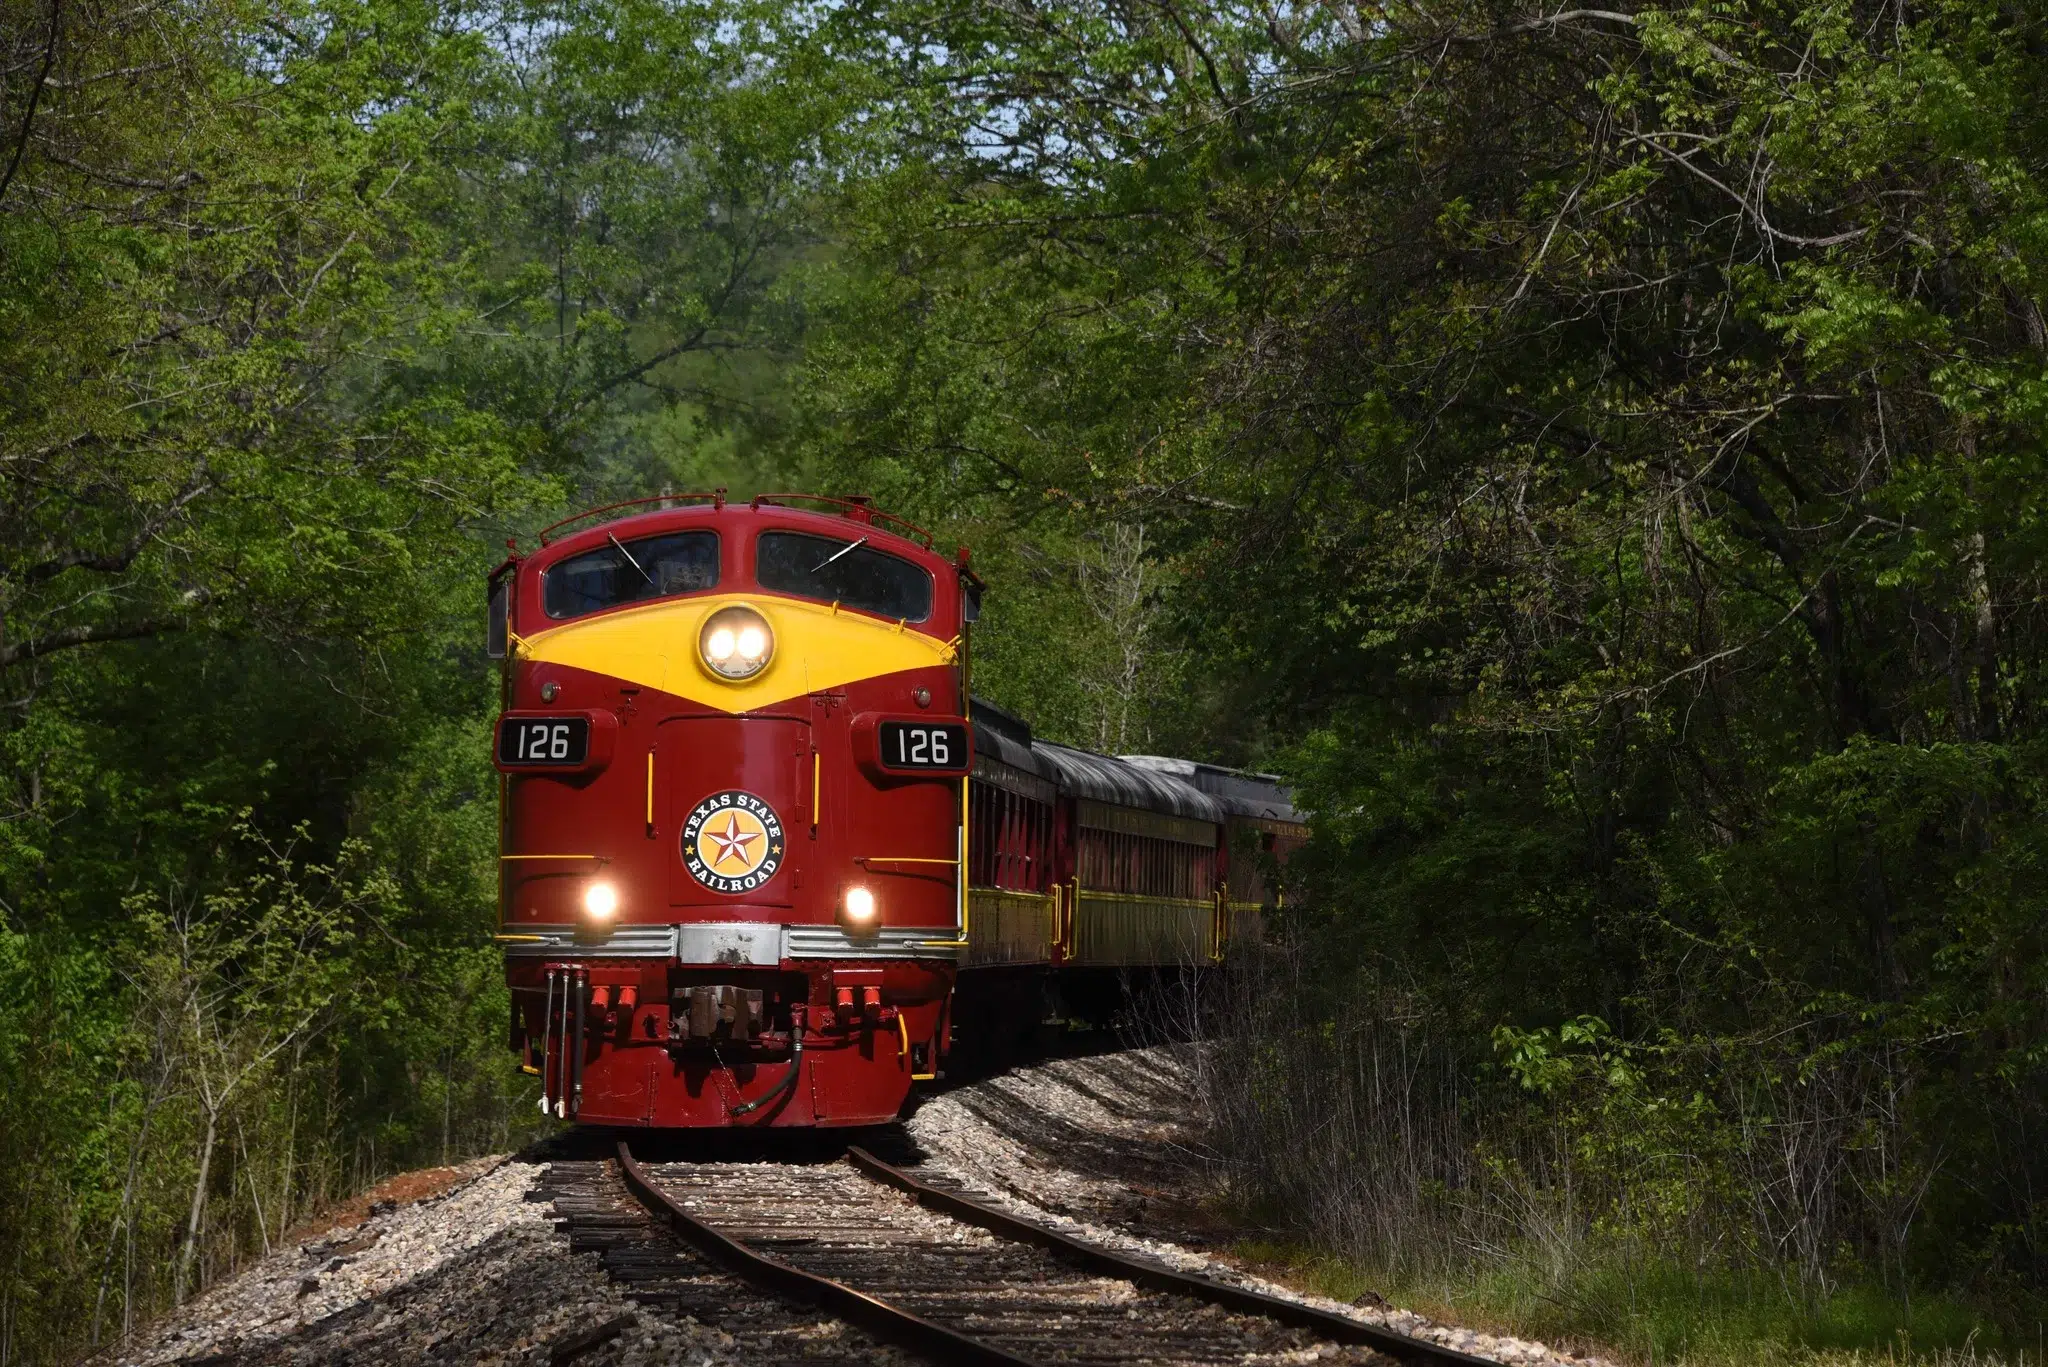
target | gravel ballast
[
  {"x": 479, "y": 1273},
  {"x": 1093, "y": 1147}
]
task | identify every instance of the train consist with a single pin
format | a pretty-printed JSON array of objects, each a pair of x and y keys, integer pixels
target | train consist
[{"x": 762, "y": 858}]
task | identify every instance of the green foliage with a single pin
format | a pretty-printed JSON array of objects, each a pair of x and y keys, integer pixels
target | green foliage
[
  {"x": 1598, "y": 457},
  {"x": 302, "y": 310},
  {"x": 1669, "y": 1313}
]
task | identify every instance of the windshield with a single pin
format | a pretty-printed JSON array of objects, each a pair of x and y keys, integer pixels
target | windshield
[
  {"x": 849, "y": 573},
  {"x": 630, "y": 572}
]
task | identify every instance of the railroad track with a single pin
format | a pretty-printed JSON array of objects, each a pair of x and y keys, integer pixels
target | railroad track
[
  {"x": 891, "y": 1257},
  {"x": 601, "y": 1215}
]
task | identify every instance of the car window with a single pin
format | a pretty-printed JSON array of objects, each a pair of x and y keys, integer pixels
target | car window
[
  {"x": 847, "y": 572},
  {"x": 631, "y": 572}
]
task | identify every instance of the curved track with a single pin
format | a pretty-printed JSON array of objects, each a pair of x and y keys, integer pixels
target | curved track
[{"x": 930, "y": 1270}]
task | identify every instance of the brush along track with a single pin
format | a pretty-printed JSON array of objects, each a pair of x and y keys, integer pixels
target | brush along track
[{"x": 956, "y": 1281}]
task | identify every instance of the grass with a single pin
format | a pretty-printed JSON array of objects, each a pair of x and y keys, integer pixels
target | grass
[{"x": 1667, "y": 1316}]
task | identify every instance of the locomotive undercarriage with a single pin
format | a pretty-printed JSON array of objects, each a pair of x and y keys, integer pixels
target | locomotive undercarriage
[{"x": 665, "y": 1045}]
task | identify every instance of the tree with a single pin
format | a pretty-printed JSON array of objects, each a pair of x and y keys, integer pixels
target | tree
[
  {"x": 1604, "y": 441},
  {"x": 228, "y": 985}
]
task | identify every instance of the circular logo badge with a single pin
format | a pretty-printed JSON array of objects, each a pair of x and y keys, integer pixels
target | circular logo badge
[{"x": 732, "y": 842}]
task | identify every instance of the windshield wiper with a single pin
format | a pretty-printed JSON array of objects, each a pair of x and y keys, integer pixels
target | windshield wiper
[
  {"x": 844, "y": 550},
  {"x": 629, "y": 557}
]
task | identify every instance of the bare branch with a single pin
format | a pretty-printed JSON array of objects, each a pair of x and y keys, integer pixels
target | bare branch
[
  {"x": 114, "y": 562},
  {"x": 35, "y": 96},
  {"x": 71, "y": 637}
]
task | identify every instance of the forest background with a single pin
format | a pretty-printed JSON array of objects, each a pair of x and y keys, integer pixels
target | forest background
[{"x": 1597, "y": 455}]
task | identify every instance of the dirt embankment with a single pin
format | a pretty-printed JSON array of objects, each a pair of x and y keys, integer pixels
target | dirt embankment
[{"x": 465, "y": 1264}]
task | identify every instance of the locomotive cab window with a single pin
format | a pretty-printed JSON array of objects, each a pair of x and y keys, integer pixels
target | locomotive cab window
[
  {"x": 845, "y": 572},
  {"x": 623, "y": 572}
]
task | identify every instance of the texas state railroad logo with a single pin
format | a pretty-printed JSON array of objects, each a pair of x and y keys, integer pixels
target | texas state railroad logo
[{"x": 732, "y": 842}]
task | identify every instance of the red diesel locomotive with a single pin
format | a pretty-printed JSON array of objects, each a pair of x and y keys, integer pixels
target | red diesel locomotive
[{"x": 741, "y": 773}]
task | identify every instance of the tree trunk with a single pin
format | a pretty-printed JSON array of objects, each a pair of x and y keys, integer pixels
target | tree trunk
[
  {"x": 291, "y": 1151},
  {"x": 1983, "y": 620},
  {"x": 447, "y": 1098},
  {"x": 255, "y": 1195},
  {"x": 122, "y": 1224},
  {"x": 1985, "y": 623},
  {"x": 190, "y": 1251}
]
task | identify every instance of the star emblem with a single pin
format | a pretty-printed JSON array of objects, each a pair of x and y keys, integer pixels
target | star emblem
[{"x": 732, "y": 842}]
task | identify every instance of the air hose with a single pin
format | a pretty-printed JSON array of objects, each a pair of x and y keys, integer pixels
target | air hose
[{"x": 788, "y": 1083}]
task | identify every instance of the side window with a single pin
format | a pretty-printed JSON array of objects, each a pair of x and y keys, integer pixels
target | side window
[
  {"x": 848, "y": 572},
  {"x": 499, "y": 634},
  {"x": 631, "y": 572}
]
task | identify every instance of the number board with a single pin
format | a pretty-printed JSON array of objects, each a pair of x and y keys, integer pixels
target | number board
[
  {"x": 545, "y": 741},
  {"x": 922, "y": 745}
]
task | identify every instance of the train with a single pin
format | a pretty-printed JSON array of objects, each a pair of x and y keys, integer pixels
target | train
[{"x": 764, "y": 858}]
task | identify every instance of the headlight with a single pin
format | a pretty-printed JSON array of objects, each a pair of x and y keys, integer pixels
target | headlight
[
  {"x": 858, "y": 907},
  {"x": 736, "y": 643},
  {"x": 600, "y": 900}
]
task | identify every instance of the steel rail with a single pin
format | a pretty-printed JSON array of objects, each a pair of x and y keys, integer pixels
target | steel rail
[
  {"x": 1158, "y": 1277},
  {"x": 878, "y": 1317}
]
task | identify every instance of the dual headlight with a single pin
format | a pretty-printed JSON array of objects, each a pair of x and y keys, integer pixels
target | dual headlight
[{"x": 736, "y": 643}]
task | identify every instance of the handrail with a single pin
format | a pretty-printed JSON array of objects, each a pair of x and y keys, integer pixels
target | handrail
[
  {"x": 859, "y": 509},
  {"x": 1144, "y": 899},
  {"x": 966, "y": 834},
  {"x": 903, "y": 1030},
  {"x": 716, "y": 498}
]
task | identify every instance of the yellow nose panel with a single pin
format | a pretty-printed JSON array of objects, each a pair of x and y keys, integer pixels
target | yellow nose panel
[{"x": 816, "y": 647}]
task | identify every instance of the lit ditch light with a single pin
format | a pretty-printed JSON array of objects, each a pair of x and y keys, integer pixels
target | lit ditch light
[
  {"x": 600, "y": 901},
  {"x": 857, "y": 909}
]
